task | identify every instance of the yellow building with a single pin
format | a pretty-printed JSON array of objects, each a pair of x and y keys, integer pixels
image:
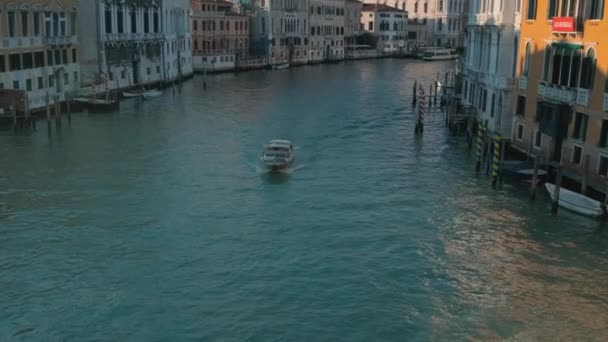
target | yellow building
[
  {"x": 561, "y": 99},
  {"x": 39, "y": 49}
]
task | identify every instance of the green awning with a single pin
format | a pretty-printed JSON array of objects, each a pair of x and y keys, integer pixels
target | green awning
[{"x": 567, "y": 45}]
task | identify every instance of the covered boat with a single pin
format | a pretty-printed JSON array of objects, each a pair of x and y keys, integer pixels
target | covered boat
[
  {"x": 278, "y": 155},
  {"x": 575, "y": 202}
]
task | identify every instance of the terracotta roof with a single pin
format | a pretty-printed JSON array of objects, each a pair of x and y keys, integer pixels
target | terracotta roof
[{"x": 380, "y": 8}]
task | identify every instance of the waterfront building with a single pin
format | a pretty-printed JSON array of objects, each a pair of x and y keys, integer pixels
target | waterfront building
[
  {"x": 488, "y": 66},
  {"x": 39, "y": 50},
  {"x": 220, "y": 35},
  {"x": 129, "y": 43},
  {"x": 561, "y": 99},
  {"x": 326, "y": 30},
  {"x": 279, "y": 30},
  {"x": 352, "y": 21},
  {"x": 444, "y": 19},
  {"x": 388, "y": 25}
]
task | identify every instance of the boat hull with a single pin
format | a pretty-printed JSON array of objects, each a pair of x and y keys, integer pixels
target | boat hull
[{"x": 576, "y": 203}]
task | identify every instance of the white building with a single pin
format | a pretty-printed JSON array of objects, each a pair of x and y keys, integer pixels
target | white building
[
  {"x": 445, "y": 20},
  {"x": 128, "y": 43},
  {"x": 388, "y": 24},
  {"x": 279, "y": 30},
  {"x": 326, "y": 30},
  {"x": 489, "y": 63},
  {"x": 39, "y": 50}
]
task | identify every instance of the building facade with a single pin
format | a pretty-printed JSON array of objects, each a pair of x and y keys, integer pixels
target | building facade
[
  {"x": 561, "y": 99},
  {"x": 489, "y": 72},
  {"x": 388, "y": 24},
  {"x": 279, "y": 30},
  {"x": 352, "y": 21},
  {"x": 326, "y": 30},
  {"x": 134, "y": 42},
  {"x": 39, "y": 50},
  {"x": 220, "y": 35},
  {"x": 445, "y": 20}
]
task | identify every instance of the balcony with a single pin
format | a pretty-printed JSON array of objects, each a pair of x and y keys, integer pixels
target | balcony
[
  {"x": 582, "y": 97},
  {"x": 58, "y": 40},
  {"x": 606, "y": 102},
  {"x": 558, "y": 94},
  {"x": 523, "y": 83}
]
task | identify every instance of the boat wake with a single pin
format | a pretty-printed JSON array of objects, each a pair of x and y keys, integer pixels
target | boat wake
[{"x": 260, "y": 170}]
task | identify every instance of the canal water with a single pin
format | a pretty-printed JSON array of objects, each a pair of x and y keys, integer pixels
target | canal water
[{"x": 157, "y": 224}]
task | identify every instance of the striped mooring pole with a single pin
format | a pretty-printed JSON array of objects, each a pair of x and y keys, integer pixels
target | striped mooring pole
[
  {"x": 496, "y": 159},
  {"x": 480, "y": 132}
]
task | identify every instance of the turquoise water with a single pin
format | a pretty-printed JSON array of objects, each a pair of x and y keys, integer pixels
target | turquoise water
[{"x": 157, "y": 224}]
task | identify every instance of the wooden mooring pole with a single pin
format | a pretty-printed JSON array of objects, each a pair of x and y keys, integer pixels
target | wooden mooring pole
[
  {"x": 558, "y": 184},
  {"x": 496, "y": 160},
  {"x": 414, "y": 94},
  {"x": 534, "y": 184},
  {"x": 502, "y": 163},
  {"x": 585, "y": 177},
  {"x": 480, "y": 130}
]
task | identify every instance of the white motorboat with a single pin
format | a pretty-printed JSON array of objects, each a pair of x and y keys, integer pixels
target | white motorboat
[
  {"x": 152, "y": 93},
  {"x": 278, "y": 155},
  {"x": 439, "y": 54},
  {"x": 575, "y": 202},
  {"x": 280, "y": 66},
  {"x": 133, "y": 93}
]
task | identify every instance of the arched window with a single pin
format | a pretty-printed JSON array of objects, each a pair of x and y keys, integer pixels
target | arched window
[
  {"x": 588, "y": 71},
  {"x": 547, "y": 63},
  {"x": 526, "y": 63},
  {"x": 395, "y": 26}
]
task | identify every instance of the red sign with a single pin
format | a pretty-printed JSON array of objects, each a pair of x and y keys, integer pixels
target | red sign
[{"x": 563, "y": 24}]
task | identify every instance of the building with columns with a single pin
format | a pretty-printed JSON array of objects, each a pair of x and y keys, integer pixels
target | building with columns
[
  {"x": 279, "y": 30},
  {"x": 489, "y": 63},
  {"x": 39, "y": 50},
  {"x": 326, "y": 30},
  {"x": 130, "y": 43}
]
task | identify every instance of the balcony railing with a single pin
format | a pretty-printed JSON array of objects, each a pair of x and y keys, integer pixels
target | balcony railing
[
  {"x": 606, "y": 102},
  {"x": 560, "y": 94},
  {"x": 523, "y": 83},
  {"x": 58, "y": 40},
  {"x": 582, "y": 97}
]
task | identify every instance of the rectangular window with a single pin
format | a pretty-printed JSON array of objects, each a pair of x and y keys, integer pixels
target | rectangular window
[
  {"x": 597, "y": 9},
  {"x": 577, "y": 154},
  {"x": 39, "y": 59},
  {"x": 15, "y": 84},
  {"x": 64, "y": 55},
  {"x": 28, "y": 61},
  {"x": 156, "y": 23},
  {"x": 521, "y": 106},
  {"x": 603, "y": 166},
  {"x": 74, "y": 56},
  {"x": 108, "y": 21},
  {"x": 36, "y": 24},
  {"x": 28, "y": 84},
  {"x": 51, "y": 81},
  {"x": 2, "y": 64},
  {"x": 531, "y": 13},
  {"x": 580, "y": 126},
  {"x": 120, "y": 21},
  {"x": 49, "y": 57},
  {"x": 63, "y": 25},
  {"x": 553, "y": 9},
  {"x": 24, "y": 24},
  {"x": 604, "y": 135},
  {"x": 538, "y": 139},
  {"x": 75, "y": 77},
  {"x": 11, "y": 24},
  {"x": 66, "y": 79},
  {"x": 520, "y": 132},
  {"x": 40, "y": 83},
  {"x": 370, "y": 26},
  {"x": 15, "y": 61},
  {"x": 492, "y": 105},
  {"x": 146, "y": 22},
  {"x": 133, "y": 22},
  {"x": 57, "y": 57},
  {"x": 73, "y": 22}
]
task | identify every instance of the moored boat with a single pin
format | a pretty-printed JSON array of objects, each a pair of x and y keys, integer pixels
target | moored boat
[
  {"x": 521, "y": 170},
  {"x": 151, "y": 93},
  {"x": 439, "y": 54},
  {"x": 280, "y": 66},
  {"x": 278, "y": 155},
  {"x": 575, "y": 202}
]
